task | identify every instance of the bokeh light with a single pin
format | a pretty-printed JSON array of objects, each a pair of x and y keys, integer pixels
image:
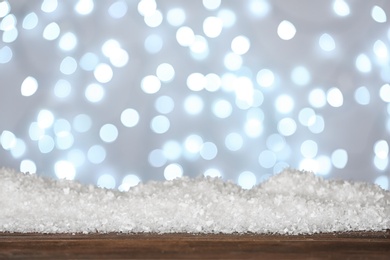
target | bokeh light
[{"x": 116, "y": 93}]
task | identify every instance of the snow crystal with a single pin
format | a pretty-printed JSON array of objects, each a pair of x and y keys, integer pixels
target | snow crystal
[{"x": 292, "y": 202}]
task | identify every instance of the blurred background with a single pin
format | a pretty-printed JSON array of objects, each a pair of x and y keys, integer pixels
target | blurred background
[{"x": 116, "y": 92}]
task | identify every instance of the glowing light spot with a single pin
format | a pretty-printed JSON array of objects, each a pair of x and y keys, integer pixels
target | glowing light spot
[
  {"x": 150, "y": 84},
  {"x": 378, "y": 14},
  {"x": 5, "y": 8},
  {"x": 84, "y": 7},
  {"x": 29, "y": 86},
  {"x": 108, "y": 133},
  {"x": 213, "y": 82},
  {"x": 64, "y": 141},
  {"x": 153, "y": 44},
  {"x": 46, "y": 144},
  {"x": 64, "y": 170},
  {"x": 5, "y": 54},
  {"x": 129, "y": 117},
  {"x": 267, "y": 159},
  {"x": 308, "y": 164},
  {"x": 309, "y": 149},
  {"x": 89, "y": 61},
  {"x": 383, "y": 182},
  {"x": 94, "y": 93},
  {"x": 208, "y": 151},
  {"x": 30, "y": 21},
  {"x": 287, "y": 126},
  {"x": 327, "y": 42},
  {"x": 160, "y": 124},
  {"x": 228, "y": 18},
  {"x": 381, "y": 50},
  {"x": 199, "y": 47},
  {"x": 193, "y": 143},
  {"x": 362, "y": 95},
  {"x": 49, "y": 6},
  {"x": 185, "y": 36},
  {"x": 68, "y": 41},
  {"x": 339, "y": 158},
  {"x": 129, "y": 181},
  {"x": 154, "y": 20},
  {"x": 286, "y": 30},
  {"x": 172, "y": 150},
  {"x": 222, "y": 108},
  {"x": 341, "y": 8},
  {"x": 211, "y": 4},
  {"x": 324, "y": 165},
  {"x": 61, "y": 127},
  {"x": 381, "y": 149},
  {"x": 232, "y": 61},
  {"x": 176, "y": 16},
  {"x": 35, "y": 132},
  {"x": 259, "y": 8},
  {"x": 193, "y": 104},
  {"x": 77, "y": 157},
  {"x": 157, "y": 158},
  {"x": 240, "y": 45},
  {"x": 82, "y": 123},
  {"x": 10, "y": 35},
  {"x": 253, "y": 128},
  {"x": 305, "y": 114},
  {"x": 284, "y": 104},
  {"x": 234, "y": 141},
  {"x": 96, "y": 154},
  {"x": 45, "y": 119},
  {"x": 363, "y": 63},
  {"x": 196, "y": 81},
  {"x": 173, "y": 171},
  {"x": 212, "y": 26},
  {"x": 165, "y": 72},
  {"x": 110, "y": 47},
  {"x": 7, "y": 140},
  {"x": 275, "y": 142},
  {"x": 119, "y": 58},
  {"x": 164, "y": 104},
  {"x": 62, "y": 88},
  {"x": 265, "y": 78},
  {"x": 247, "y": 180},
  {"x": 384, "y": 93},
  {"x": 112, "y": 50},
  {"x": 335, "y": 97},
  {"x": 212, "y": 173},
  {"x": 103, "y": 73},
  {"x": 317, "y": 98},
  {"x": 106, "y": 181},
  {"x": 8, "y": 23},
  {"x": 51, "y": 31},
  {"x": 68, "y": 66},
  {"x": 28, "y": 166},
  {"x": 316, "y": 124},
  {"x": 300, "y": 76},
  {"x": 381, "y": 163},
  {"x": 19, "y": 149},
  {"x": 147, "y": 7},
  {"x": 118, "y": 9}
]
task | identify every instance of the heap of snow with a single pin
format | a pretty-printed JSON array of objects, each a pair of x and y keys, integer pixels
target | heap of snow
[{"x": 292, "y": 202}]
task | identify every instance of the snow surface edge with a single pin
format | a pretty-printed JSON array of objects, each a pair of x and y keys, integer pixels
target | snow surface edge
[{"x": 292, "y": 202}]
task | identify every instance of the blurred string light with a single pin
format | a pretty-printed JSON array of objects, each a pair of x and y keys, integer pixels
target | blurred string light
[{"x": 238, "y": 90}]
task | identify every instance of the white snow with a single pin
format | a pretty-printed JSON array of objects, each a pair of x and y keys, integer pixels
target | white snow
[{"x": 292, "y": 202}]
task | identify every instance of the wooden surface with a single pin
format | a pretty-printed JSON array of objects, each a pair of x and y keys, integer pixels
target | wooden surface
[{"x": 357, "y": 245}]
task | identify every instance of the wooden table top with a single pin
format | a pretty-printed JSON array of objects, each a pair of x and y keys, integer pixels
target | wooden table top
[{"x": 352, "y": 245}]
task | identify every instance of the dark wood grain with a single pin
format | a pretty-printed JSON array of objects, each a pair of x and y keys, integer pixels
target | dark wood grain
[{"x": 354, "y": 245}]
